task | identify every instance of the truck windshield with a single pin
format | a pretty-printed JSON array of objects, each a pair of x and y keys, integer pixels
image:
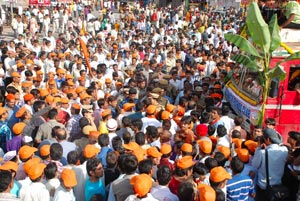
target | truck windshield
[{"x": 247, "y": 81}]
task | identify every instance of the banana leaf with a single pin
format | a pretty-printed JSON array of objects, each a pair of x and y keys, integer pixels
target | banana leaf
[
  {"x": 274, "y": 31},
  {"x": 242, "y": 43},
  {"x": 258, "y": 28},
  {"x": 277, "y": 72},
  {"x": 246, "y": 61},
  {"x": 294, "y": 56}
]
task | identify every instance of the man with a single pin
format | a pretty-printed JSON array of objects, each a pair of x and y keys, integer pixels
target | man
[
  {"x": 218, "y": 178},
  {"x": 240, "y": 187},
  {"x": 291, "y": 14},
  {"x": 6, "y": 184},
  {"x": 16, "y": 78},
  {"x": 65, "y": 190},
  {"x": 36, "y": 190},
  {"x": 120, "y": 189},
  {"x": 183, "y": 173},
  {"x": 150, "y": 119},
  {"x": 216, "y": 117},
  {"x": 276, "y": 162},
  {"x": 5, "y": 132},
  {"x": 29, "y": 100},
  {"x": 61, "y": 137},
  {"x": 45, "y": 129},
  {"x": 162, "y": 191},
  {"x": 93, "y": 184},
  {"x": 72, "y": 126},
  {"x": 12, "y": 109}
]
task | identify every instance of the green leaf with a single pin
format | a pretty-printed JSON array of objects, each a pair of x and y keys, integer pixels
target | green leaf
[
  {"x": 259, "y": 30},
  {"x": 274, "y": 31},
  {"x": 242, "y": 43},
  {"x": 294, "y": 56},
  {"x": 246, "y": 61},
  {"x": 277, "y": 72}
]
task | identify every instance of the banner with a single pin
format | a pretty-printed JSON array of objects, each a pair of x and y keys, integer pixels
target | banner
[
  {"x": 65, "y": 1},
  {"x": 39, "y": 2}
]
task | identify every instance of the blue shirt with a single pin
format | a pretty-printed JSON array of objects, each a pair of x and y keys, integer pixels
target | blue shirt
[
  {"x": 16, "y": 188},
  {"x": 240, "y": 187},
  {"x": 277, "y": 157},
  {"x": 102, "y": 155},
  {"x": 5, "y": 135},
  {"x": 92, "y": 188},
  {"x": 12, "y": 119}
]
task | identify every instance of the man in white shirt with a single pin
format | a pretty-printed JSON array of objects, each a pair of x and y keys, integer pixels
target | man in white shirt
[
  {"x": 65, "y": 190},
  {"x": 36, "y": 190},
  {"x": 162, "y": 191}
]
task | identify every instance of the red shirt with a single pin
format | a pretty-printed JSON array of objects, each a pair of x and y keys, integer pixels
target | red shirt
[
  {"x": 63, "y": 117},
  {"x": 174, "y": 185},
  {"x": 166, "y": 162}
]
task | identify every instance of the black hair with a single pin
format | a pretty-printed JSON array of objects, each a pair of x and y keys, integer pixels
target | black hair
[
  {"x": 111, "y": 159},
  {"x": 205, "y": 117},
  {"x": 126, "y": 137},
  {"x": 73, "y": 157},
  {"x": 101, "y": 102},
  {"x": 103, "y": 140},
  {"x": 6, "y": 179},
  {"x": 145, "y": 166},
  {"x": 225, "y": 109},
  {"x": 236, "y": 165},
  {"x": 152, "y": 132},
  {"x": 164, "y": 175},
  {"x": 236, "y": 134},
  {"x": 140, "y": 138},
  {"x": 126, "y": 121},
  {"x": 37, "y": 105},
  {"x": 182, "y": 172},
  {"x": 28, "y": 73},
  {"x": 211, "y": 163},
  {"x": 221, "y": 159},
  {"x": 56, "y": 151},
  {"x": 139, "y": 106},
  {"x": 117, "y": 144},
  {"x": 221, "y": 131},
  {"x": 270, "y": 121},
  {"x": 137, "y": 123},
  {"x": 238, "y": 121},
  {"x": 59, "y": 135},
  {"x": 199, "y": 169},
  {"x": 211, "y": 130},
  {"x": 83, "y": 121},
  {"x": 186, "y": 120},
  {"x": 92, "y": 164},
  {"x": 50, "y": 171},
  {"x": 130, "y": 164},
  {"x": 185, "y": 191},
  {"x": 52, "y": 113},
  {"x": 220, "y": 195}
]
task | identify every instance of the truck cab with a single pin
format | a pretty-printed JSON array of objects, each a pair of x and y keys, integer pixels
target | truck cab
[{"x": 244, "y": 94}]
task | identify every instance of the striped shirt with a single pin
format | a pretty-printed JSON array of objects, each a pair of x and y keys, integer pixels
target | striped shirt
[{"x": 239, "y": 188}]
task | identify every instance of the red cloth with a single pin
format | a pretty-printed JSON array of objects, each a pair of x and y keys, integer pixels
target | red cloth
[
  {"x": 63, "y": 117},
  {"x": 166, "y": 162},
  {"x": 174, "y": 185}
]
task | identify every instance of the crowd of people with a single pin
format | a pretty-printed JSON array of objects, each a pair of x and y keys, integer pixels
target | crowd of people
[{"x": 130, "y": 107}]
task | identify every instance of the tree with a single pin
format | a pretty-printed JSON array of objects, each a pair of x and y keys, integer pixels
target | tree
[{"x": 257, "y": 50}]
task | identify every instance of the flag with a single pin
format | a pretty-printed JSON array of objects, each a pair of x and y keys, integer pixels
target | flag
[{"x": 85, "y": 53}]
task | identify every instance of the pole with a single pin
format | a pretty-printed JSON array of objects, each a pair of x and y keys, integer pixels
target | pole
[{"x": 11, "y": 10}]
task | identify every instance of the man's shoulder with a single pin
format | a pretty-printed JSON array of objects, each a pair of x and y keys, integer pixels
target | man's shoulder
[{"x": 240, "y": 180}]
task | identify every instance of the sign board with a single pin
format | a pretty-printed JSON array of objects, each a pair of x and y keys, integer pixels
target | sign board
[
  {"x": 39, "y": 2},
  {"x": 65, "y": 1},
  {"x": 241, "y": 107}
]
